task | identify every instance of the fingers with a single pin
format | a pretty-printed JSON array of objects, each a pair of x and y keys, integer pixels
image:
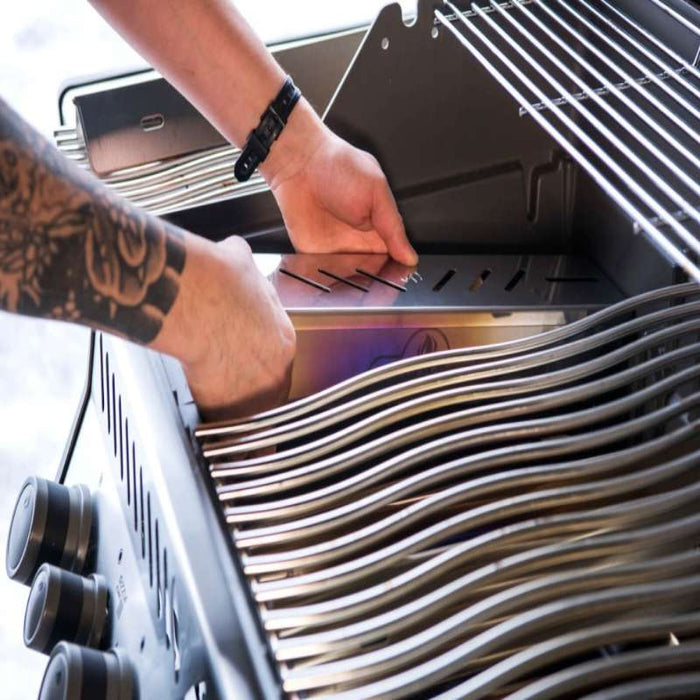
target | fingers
[{"x": 387, "y": 222}]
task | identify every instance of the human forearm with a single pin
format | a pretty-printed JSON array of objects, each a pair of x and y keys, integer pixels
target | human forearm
[
  {"x": 72, "y": 250},
  {"x": 207, "y": 50},
  {"x": 333, "y": 197}
]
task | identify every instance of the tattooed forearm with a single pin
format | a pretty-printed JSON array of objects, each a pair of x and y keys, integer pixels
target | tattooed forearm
[{"x": 70, "y": 249}]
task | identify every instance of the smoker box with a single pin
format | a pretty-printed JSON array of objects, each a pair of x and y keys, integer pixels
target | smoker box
[{"x": 533, "y": 239}]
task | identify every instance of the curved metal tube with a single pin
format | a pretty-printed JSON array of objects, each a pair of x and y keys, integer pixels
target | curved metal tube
[
  {"x": 450, "y": 357},
  {"x": 440, "y": 381}
]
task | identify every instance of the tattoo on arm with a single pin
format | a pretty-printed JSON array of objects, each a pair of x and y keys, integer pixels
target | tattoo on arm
[{"x": 72, "y": 250}]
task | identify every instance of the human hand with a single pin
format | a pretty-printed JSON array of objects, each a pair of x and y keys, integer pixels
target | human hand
[
  {"x": 334, "y": 198},
  {"x": 235, "y": 341}
]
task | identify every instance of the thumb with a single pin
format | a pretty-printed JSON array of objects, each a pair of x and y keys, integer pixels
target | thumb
[{"x": 388, "y": 224}]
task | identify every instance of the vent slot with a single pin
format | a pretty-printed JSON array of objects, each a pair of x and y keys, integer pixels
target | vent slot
[
  {"x": 114, "y": 416},
  {"x": 377, "y": 278},
  {"x": 159, "y": 600},
  {"x": 126, "y": 433},
  {"x": 515, "y": 280},
  {"x": 102, "y": 375},
  {"x": 143, "y": 520},
  {"x": 109, "y": 398},
  {"x": 444, "y": 279},
  {"x": 306, "y": 280},
  {"x": 121, "y": 443},
  {"x": 478, "y": 283},
  {"x": 150, "y": 541},
  {"x": 128, "y": 481},
  {"x": 343, "y": 280},
  {"x": 137, "y": 504},
  {"x": 134, "y": 482}
]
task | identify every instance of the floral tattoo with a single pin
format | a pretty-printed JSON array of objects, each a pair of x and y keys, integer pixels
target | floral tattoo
[{"x": 70, "y": 249}]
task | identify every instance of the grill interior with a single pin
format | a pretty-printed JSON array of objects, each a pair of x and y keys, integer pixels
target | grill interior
[
  {"x": 633, "y": 101},
  {"x": 484, "y": 521}
]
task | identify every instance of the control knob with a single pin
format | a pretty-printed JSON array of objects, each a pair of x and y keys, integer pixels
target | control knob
[
  {"x": 50, "y": 523},
  {"x": 79, "y": 673},
  {"x": 63, "y": 606}
]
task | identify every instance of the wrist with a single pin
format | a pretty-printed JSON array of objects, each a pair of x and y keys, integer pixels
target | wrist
[
  {"x": 181, "y": 333},
  {"x": 300, "y": 138}
]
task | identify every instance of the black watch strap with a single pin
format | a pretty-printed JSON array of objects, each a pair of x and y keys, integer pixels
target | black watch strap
[{"x": 271, "y": 124}]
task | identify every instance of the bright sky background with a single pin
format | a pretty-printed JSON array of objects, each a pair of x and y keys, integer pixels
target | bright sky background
[{"x": 42, "y": 44}]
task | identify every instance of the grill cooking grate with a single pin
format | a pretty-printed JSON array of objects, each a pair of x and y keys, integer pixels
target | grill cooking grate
[
  {"x": 622, "y": 104},
  {"x": 518, "y": 518}
]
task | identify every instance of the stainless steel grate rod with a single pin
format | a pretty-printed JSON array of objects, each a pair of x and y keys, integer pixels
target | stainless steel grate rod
[
  {"x": 627, "y": 56},
  {"x": 650, "y": 37},
  {"x": 644, "y": 94},
  {"x": 663, "y": 5},
  {"x": 672, "y": 251},
  {"x": 638, "y": 46},
  {"x": 660, "y": 182},
  {"x": 612, "y": 87}
]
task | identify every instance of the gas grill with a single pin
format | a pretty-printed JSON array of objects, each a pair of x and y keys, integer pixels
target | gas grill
[{"x": 485, "y": 483}]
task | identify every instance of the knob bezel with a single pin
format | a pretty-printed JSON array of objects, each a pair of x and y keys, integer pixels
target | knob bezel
[
  {"x": 57, "y": 529},
  {"x": 63, "y": 606},
  {"x": 89, "y": 674}
]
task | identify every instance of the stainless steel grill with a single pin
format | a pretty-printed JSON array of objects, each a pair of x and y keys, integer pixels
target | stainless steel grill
[{"x": 486, "y": 482}]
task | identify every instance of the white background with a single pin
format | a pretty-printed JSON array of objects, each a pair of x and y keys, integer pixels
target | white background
[{"x": 42, "y": 364}]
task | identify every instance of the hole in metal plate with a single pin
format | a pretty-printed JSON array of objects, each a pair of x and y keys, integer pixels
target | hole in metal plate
[
  {"x": 385, "y": 43},
  {"x": 476, "y": 285},
  {"x": 151, "y": 122},
  {"x": 515, "y": 280},
  {"x": 150, "y": 541},
  {"x": 305, "y": 280},
  {"x": 444, "y": 279},
  {"x": 377, "y": 278}
]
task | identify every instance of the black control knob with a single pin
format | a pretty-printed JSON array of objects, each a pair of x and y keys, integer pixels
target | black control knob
[
  {"x": 50, "y": 523},
  {"x": 63, "y": 606},
  {"x": 78, "y": 673}
]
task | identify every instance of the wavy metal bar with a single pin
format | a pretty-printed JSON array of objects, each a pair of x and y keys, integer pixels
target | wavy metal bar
[
  {"x": 443, "y": 401},
  {"x": 654, "y": 234},
  {"x": 436, "y": 605},
  {"x": 676, "y": 685},
  {"x": 441, "y": 380},
  {"x": 430, "y": 576},
  {"x": 416, "y": 406},
  {"x": 343, "y": 546},
  {"x": 449, "y": 427},
  {"x": 572, "y": 682},
  {"x": 448, "y": 357},
  {"x": 427, "y": 642},
  {"x": 538, "y": 656},
  {"x": 539, "y": 530},
  {"x": 678, "y": 592},
  {"x": 478, "y": 459}
]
